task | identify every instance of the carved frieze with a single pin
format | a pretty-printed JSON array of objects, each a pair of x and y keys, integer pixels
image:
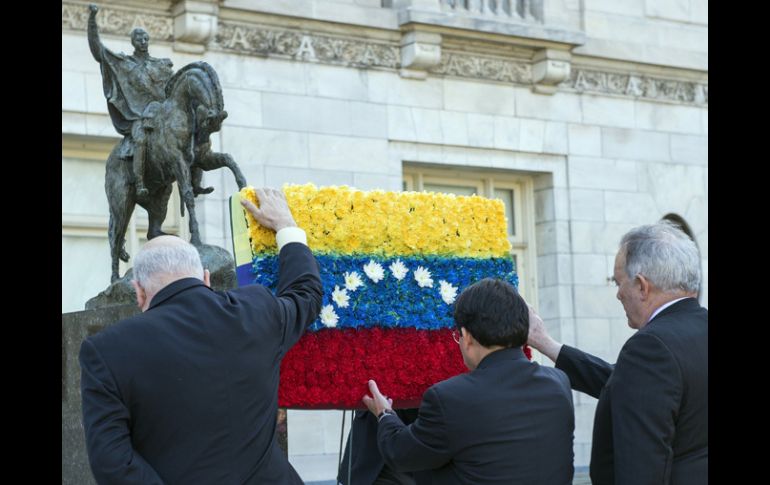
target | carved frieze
[
  {"x": 306, "y": 46},
  {"x": 360, "y": 52},
  {"x": 585, "y": 80},
  {"x": 484, "y": 67},
  {"x": 118, "y": 22}
]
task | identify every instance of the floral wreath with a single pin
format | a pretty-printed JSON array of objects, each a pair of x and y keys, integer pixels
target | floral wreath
[{"x": 392, "y": 264}]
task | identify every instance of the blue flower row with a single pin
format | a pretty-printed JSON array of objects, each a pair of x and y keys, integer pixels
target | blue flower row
[{"x": 392, "y": 303}]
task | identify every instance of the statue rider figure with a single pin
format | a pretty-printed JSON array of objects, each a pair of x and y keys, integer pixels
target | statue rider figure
[{"x": 134, "y": 86}]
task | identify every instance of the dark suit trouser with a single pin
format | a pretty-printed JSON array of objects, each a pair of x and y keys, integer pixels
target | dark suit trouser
[{"x": 388, "y": 476}]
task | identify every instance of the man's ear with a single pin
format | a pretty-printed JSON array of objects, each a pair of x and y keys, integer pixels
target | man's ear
[
  {"x": 644, "y": 286},
  {"x": 467, "y": 339},
  {"x": 141, "y": 295},
  {"x": 207, "y": 278}
]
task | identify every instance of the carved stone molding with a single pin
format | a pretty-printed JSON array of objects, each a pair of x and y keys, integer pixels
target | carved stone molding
[
  {"x": 516, "y": 10},
  {"x": 420, "y": 51},
  {"x": 195, "y": 24},
  {"x": 550, "y": 67},
  {"x": 360, "y": 52},
  {"x": 583, "y": 80},
  {"x": 306, "y": 46},
  {"x": 118, "y": 22},
  {"x": 484, "y": 67}
]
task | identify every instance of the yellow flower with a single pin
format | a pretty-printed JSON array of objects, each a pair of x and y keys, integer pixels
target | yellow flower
[{"x": 343, "y": 220}]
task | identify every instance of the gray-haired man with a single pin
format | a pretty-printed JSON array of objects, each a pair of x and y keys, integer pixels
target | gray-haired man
[
  {"x": 651, "y": 423},
  {"x": 187, "y": 391}
]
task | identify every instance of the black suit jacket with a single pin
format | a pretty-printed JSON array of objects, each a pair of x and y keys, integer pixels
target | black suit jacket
[
  {"x": 508, "y": 421},
  {"x": 651, "y": 422},
  {"x": 187, "y": 392},
  {"x": 367, "y": 460}
]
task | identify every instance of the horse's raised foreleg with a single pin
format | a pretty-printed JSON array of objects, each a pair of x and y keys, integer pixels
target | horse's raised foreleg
[
  {"x": 228, "y": 162},
  {"x": 213, "y": 160},
  {"x": 197, "y": 177}
]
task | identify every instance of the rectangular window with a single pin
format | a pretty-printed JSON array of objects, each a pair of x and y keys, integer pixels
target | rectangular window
[
  {"x": 450, "y": 189},
  {"x": 506, "y": 195}
]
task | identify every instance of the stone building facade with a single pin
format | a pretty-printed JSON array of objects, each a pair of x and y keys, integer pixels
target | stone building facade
[{"x": 586, "y": 117}]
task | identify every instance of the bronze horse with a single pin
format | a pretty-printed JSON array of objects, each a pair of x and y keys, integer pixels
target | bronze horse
[{"x": 177, "y": 149}]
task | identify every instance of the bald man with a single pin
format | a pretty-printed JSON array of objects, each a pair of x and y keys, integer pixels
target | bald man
[{"x": 187, "y": 391}]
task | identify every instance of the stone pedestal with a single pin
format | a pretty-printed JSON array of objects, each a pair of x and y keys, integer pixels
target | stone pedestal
[
  {"x": 116, "y": 303},
  {"x": 215, "y": 259},
  {"x": 75, "y": 327}
]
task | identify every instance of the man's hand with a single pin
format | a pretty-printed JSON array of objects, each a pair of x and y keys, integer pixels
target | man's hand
[
  {"x": 273, "y": 211},
  {"x": 538, "y": 336},
  {"x": 377, "y": 403}
]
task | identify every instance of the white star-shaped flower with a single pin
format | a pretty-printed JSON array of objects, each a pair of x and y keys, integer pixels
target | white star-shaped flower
[
  {"x": 340, "y": 296},
  {"x": 328, "y": 316},
  {"x": 353, "y": 280},
  {"x": 374, "y": 271},
  {"x": 422, "y": 277},
  {"x": 448, "y": 292},
  {"x": 398, "y": 269}
]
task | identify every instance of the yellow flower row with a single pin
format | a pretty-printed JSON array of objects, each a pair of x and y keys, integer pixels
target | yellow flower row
[{"x": 342, "y": 220}]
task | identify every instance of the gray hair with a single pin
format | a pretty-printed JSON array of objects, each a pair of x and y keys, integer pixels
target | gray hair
[
  {"x": 155, "y": 265},
  {"x": 664, "y": 255}
]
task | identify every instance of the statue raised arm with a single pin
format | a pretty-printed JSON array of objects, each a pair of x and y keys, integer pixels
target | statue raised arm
[{"x": 93, "y": 34}]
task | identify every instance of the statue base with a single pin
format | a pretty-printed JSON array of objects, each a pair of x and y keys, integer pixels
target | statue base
[
  {"x": 215, "y": 259},
  {"x": 115, "y": 303},
  {"x": 75, "y": 327}
]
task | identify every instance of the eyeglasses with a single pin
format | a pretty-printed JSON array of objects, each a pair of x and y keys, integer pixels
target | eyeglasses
[{"x": 456, "y": 336}]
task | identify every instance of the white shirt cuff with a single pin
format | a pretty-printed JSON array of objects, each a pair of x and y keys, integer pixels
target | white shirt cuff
[{"x": 288, "y": 235}]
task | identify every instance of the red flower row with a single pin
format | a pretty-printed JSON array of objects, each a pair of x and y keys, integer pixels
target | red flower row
[{"x": 329, "y": 369}]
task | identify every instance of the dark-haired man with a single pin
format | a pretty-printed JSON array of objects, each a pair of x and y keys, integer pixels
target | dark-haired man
[{"x": 506, "y": 421}]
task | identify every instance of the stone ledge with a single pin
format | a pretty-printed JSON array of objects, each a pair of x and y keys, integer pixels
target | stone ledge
[{"x": 531, "y": 32}]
